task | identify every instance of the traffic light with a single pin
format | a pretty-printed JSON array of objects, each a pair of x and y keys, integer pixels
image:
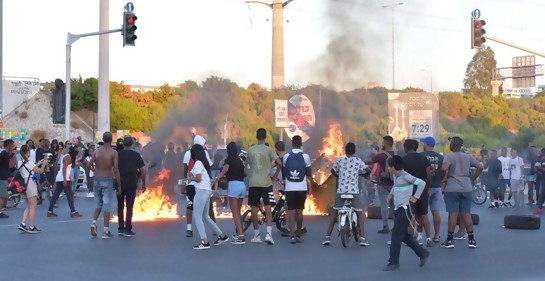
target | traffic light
[
  {"x": 477, "y": 32},
  {"x": 129, "y": 28}
]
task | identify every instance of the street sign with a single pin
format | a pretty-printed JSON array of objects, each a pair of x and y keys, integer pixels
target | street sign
[
  {"x": 14, "y": 134},
  {"x": 476, "y": 14},
  {"x": 129, "y": 7}
]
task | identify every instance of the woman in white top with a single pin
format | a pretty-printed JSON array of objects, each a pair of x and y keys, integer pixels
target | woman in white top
[
  {"x": 200, "y": 178},
  {"x": 27, "y": 167},
  {"x": 32, "y": 148}
]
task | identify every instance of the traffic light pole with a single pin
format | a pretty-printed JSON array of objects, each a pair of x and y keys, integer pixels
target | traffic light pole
[
  {"x": 514, "y": 46},
  {"x": 71, "y": 39}
]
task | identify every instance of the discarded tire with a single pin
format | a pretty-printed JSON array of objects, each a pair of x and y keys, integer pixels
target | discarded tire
[
  {"x": 475, "y": 218},
  {"x": 373, "y": 212},
  {"x": 522, "y": 222}
]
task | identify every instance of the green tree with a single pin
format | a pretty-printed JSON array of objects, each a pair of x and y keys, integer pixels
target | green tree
[{"x": 479, "y": 72}]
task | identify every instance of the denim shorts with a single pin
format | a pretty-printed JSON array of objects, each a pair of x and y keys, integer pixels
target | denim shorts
[
  {"x": 104, "y": 193},
  {"x": 437, "y": 202},
  {"x": 236, "y": 189},
  {"x": 458, "y": 202}
]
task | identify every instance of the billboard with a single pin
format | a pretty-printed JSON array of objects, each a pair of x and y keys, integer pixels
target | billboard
[
  {"x": 281, "y": 116},
  {"x": 413, "y": 115},
  {"x": 302, "y": 118},
  {"x": 16, "y": 90}
]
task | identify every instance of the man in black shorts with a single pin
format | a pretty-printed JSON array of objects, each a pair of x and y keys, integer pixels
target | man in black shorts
[{"x": 418, "y": 166}]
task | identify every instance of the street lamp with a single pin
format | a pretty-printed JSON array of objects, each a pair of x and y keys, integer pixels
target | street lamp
[
  {"x": 431, "y": 79},
  {"x": 393, "y": 40}
]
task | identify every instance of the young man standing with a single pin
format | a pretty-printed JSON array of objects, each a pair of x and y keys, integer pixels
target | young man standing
[
  {"x": 505, "y": 176},
  {"x": 385, "y": 182},
  {"x": 347, "y": 169},
  {"x": 459, "y": 189},
  {"x": 490, "y": 177},
  {"x": 435, "y": 193},
  {"x": 130, "y": 166},
  {"x": 516, "y": 164},
  {"x": 5, "y": 157},
  {"x": 260, "y": 159},
  {"x": 106, "y": 162},
  {"x": 297, "y": 174}
]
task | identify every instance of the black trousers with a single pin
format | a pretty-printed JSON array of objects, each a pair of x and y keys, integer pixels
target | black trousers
[
  {"x": 127, "y": 197},
  {"x": 400, "y": 234}
]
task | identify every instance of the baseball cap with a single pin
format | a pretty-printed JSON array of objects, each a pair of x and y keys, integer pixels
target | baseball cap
[{"x": 428, "y": 141}]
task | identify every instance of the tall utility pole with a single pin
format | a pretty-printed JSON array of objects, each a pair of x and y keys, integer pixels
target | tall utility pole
[
  {"x": 393, "y": 42},
  {"x": 278, "y": 78},
  {"x": 104, "y": 69},
  {"x": 1, "y": 57}
]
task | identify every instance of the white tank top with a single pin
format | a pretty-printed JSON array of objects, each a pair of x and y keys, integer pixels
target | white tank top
[{"x": 59, "y": 173}]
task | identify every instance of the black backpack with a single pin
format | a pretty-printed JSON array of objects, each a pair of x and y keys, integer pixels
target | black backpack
[{"x": 295, "y": 167}]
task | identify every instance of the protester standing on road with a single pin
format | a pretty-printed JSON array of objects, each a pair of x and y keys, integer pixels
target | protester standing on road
[
  {"x": 505, "y": 177},
  {"x": 516, "y": 172},
  {"x": 437, "y": 202},
  {"x": 106, "y": 162},
  {"x": 5, "y": 158},
  {"x": 404, "y": 200},
  {"x": 130, "y": 165},
  {"x": 233, "y": 169},
  {"x": 76, "y": 155},
  {"x": 260, "y": 159},
  {"x": 63, "y": 182},
  {"x": 459, "y": 189},
  {"x": 200, "y": 178},
  {"x": 27, "y": 168},
  {"x": 385, "y": 182},
  {"x": 540, "y": 185}
]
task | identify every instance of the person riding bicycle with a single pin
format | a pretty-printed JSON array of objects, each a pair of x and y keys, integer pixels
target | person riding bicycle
[{"x": 347, "y": 169}]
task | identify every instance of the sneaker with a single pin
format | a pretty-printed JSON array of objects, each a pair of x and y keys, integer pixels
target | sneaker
[
  {"x": 107, "y": 235},
  {"x": 424, "y": 257},
  {"x": 508, "y": 204},
  {"x": 23, "y": 228},
  {"x": 238, "y": 240},
  {"x": 327, "y": 241},
  {"x": 459, "y": 236},
  {"x": 51, "y": 214},
  {"x": 429, "y": 243},
  {"x": 285, "y": 233},
  {"x": 437, "y": 239},
  {"x": 292, "y": 240},
  {"x": 449, "y": 244},
  {"x": 90, "y": 195},
  {"x": 129, "y": 233},
  {"x": 121, "y": 232},
  {"x": 3, "y": 216},
  {"x": 268, "y": 239},
  {"x": 385, "y": 229},
  {"x": 496, "y": 204},
  {"x": 221, "y": 240},
  {"x": 299, "y": 239},
  {"x": 420, "y": 241},
  {"x": 472, "y": 244},
  {"x": 364, "y": 242},
  {"x": 189, "y": 233},
  {"x": 389, "y": 243},
  {"x": 492, "y": 206},
  {"x": 94, "y": 230},
  {"x": 391, "y": 267},
  {"x": 256, "y": 239},
  {"x": 75, "y": 214},
  {"x": 34, "y": 230},
  {"x": 538, "y": 212},
  {"x": 202, "y": 246}
]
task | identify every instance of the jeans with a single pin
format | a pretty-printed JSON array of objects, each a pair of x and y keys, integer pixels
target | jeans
[
  {"x": 104, "y": 191},
  {"x": 125, "y": 223},
  {"x": 69, "y": 196},
  {"x": 400, "y": 233},
  {"x": 201, "y": 205},
  {"x": 541, "y": 197},
  {"x": 382, "y": 194},
  {"x": 74, "y": 173}
]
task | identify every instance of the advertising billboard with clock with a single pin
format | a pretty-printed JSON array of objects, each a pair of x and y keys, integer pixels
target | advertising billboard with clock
[{"x": 413, "y": 115}]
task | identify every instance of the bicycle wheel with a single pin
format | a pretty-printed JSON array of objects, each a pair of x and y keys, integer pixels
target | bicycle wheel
[
  {"x": 281, "y": 221},
  {"x": 355, "y": 231},
  {"x": 345, "y": 234},
  {"x": 479, "y": 195},
  {"x": 246, "y": 219},
  {"x": 13, "y": 201},
  {"x": 48, "y": 190}
]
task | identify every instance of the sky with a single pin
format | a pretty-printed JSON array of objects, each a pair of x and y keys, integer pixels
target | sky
[{"x": 181, "y": 40}]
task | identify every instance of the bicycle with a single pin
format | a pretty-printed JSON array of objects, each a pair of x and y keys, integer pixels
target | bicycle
[
  {"x": 479, "y": 194},
  {"x": 278, "y": 215},
  {"x": 347, "y": 220},
  {"x": 13, "y": 200}
]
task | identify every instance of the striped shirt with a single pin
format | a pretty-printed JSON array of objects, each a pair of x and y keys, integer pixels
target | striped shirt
[{"x": 403, "y": 189}]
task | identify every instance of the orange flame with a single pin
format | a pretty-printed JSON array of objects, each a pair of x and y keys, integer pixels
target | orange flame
[
  {"x": 332, "y": 148},
  {"x": 310, "y": 206}
]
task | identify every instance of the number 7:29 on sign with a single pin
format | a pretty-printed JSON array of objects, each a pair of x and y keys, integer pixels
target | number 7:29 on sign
[{"x": 420, "y": 128}]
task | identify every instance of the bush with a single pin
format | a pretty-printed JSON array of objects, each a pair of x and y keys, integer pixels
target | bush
[
  {"x": 38, "y": 134},
  {"x": 23, "y": 115},
  {"x": 75, "y": 124}
]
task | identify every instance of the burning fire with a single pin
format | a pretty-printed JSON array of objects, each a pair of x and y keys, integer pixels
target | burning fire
[
  {"x": 154, "y": 204},
  {"x": 310, "y": 206},
  {"x": 332, "y": 148}
]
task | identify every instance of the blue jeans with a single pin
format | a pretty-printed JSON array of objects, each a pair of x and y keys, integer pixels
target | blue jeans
[
  {"x": 69, "y": 196},
  {"x": 74, "y": 173},
  {"x": 104, "y": 191},
  {"x": 384, "y": 211},
  {"x": 400, "y": 234},
  {"x": 201, "y": 205}
]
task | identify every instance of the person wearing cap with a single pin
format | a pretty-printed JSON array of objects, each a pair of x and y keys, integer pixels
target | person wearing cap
[
  {"x": 436, "y": 197},
  {"x": 459, "y": 189}
]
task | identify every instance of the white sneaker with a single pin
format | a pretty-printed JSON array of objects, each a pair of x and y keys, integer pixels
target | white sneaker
[
  {"x": 420, "y": 242},
  {"x": 269, "y": 239},
  {"x": 90, "y": 195},
  {"x": 256, "y": 239},
  {"x": 389, "y": 243}
]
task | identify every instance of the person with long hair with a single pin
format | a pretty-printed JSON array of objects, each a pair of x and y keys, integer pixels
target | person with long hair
[
  {"x": 32, "y": 149},
  {"x": 63, "y": 183},
  {"x": 233, "y": 169},
  {"x": 26, "y": 169},
  {"x": 200, "y": 178}
]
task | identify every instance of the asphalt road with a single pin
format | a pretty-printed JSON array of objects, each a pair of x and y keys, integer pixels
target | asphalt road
[{"x": 160, "y": 251}]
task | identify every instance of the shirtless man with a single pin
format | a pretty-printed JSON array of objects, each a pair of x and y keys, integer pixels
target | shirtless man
[{"x": 105, "y": 160}]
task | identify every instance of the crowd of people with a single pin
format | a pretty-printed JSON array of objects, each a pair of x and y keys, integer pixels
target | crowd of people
[{"x": 408, "y": 182}]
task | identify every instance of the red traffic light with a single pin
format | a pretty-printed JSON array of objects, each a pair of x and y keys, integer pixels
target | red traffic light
[
  {"x": 480, "y": 24},
  {"x": 132, "y": 19}
]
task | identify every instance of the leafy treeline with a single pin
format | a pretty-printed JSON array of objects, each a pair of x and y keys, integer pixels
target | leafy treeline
[{"x": 362, "y": 113}]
